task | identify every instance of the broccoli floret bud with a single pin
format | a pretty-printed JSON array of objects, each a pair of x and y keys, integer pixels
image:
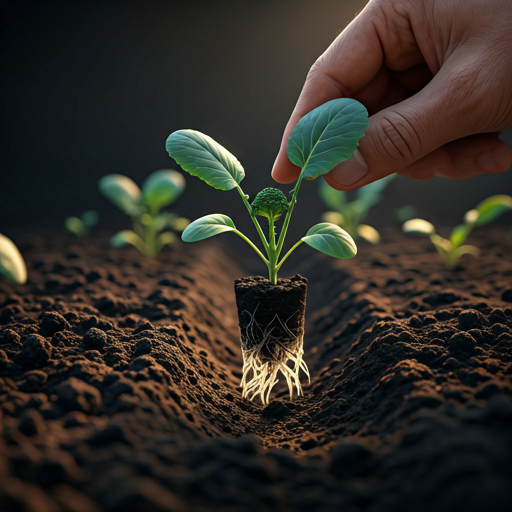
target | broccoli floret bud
[{"x": 270, "y": 203}]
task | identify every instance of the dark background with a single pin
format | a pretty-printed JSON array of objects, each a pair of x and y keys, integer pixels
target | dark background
[{"x": 94, "y": 88}]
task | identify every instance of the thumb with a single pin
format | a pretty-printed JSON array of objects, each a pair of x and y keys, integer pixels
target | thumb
[{"x": 448, "y": 108}]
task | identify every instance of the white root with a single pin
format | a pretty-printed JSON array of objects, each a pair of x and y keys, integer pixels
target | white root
[{"x": 260, "y": 374}]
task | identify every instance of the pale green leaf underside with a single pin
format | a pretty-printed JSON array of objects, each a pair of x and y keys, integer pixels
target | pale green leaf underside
[
  {"x": 201, "y": 156},
  {"x": 332, "y": 240},
  {"x": 12, "y": 264},
  {"x": 327, "y": 136},
  {"x": 207, "y": 226},
  {"x": 368, "y": 233},
  {"x": 122, "y": 191},
  {"x": 418, "y": 227},
  {"x": 162, "y": 188}
]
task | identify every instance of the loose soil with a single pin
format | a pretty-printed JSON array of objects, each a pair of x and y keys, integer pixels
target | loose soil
[{"x": 119, "y": 384}]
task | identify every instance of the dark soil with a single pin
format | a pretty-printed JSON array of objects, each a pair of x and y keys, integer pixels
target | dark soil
[
  {"x": 280, "y": 308},
  {"x": 119, "y": 384}
]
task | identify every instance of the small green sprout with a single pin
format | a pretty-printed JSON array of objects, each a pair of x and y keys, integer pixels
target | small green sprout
[
  {"x": 349, "y": 214},
  {"x": 322, "y": 139},
  {"x": 12, "y": 264},
  {"x": 80, "y": 226},
  {"x": 405, "y": 213},
  {"x": 452, "y": 249},
  {"x": 160, "y": 189}
]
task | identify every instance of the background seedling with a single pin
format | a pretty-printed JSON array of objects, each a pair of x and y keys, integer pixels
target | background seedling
[
  {"x": 452, "y": 249},
  {"x": 80, "y": 226},
  {"x": 322, "y": 139},
  {"x": 12, "y": 264},
  {"x": 349, "y": 214},
  {"x": 160, "y": 189}
]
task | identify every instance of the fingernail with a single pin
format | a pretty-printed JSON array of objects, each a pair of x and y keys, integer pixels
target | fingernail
[
  {"x": 350, "y": 171},
  {"x": 493, "y": 160}
]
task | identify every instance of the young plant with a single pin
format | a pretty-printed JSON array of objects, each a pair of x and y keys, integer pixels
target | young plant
[
  {"x": 349, "y": 214},
  {"x": 160, "y": 189},
  {"x": 322, "y": 139},
  {"x": 452, "y": 249},
  {"x": 80, "y": 226},
  {"x": 12, "y": 264}
]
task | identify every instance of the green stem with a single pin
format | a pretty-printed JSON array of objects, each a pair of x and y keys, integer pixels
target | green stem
[
  {"x": 272, "y": 253},
  {"x": 258, "y": 252},
  {"x": 253, "y": 217},
  {"x": 289, "y": 213},
  {"x": 287, "y": 254}
]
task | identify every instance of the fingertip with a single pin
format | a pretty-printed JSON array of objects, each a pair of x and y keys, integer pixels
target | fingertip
[
  {"x": 495, "y": 160},
  {"x": 284, "y": 171}
]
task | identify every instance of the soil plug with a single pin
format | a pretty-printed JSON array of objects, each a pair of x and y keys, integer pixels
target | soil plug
[
  {"x": 349, "y": 214},
  {"x": 452, "y": 249},
  {"x": 150, "y": 226},
  {"x": 271, "y": 313},
  {"x": 12, "y": 264}
]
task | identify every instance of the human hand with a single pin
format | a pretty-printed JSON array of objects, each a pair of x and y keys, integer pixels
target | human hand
[{"x": 436, "y": 78}]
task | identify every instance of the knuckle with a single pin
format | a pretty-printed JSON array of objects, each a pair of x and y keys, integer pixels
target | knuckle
[{"x": 396, "y": 140}]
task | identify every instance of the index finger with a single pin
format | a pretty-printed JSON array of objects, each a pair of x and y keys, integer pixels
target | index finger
[{"x": 350, "y": 63}]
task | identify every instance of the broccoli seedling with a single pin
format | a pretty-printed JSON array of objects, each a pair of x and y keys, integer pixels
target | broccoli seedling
[
  {"x": 322, "y": 139},
  {"x": 349, "y": 214},
  {"x": 80, "y": 226},
  {"x": 450, "y": 250},
  {"x": 12, "y": 264},
  {"x": 150, "y": 226}
]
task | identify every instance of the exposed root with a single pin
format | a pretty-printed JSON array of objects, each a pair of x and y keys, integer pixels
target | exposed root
[{"x": 260, "y": 371}]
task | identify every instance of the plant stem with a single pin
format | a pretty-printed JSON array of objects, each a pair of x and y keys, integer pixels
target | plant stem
[
  {"x": 289, "y": 213},
  {"x": 256, "y": 223},
  {"x": 258, "y": 252},
  {"x": 272, "y": 253}
]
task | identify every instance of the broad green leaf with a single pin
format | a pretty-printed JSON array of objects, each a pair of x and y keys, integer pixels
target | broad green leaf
[
  {"x": 332, "y": 240},
  {"x": 368, "y": 233},
  {"x": 201, "y": 156},
  {"x": 12, "y": 264},
  {"x": 334, "y": 218},
  {"x": 327, "y": 136},
  {"x": 334, "y": 199},
  {"x": 493, "y": 207},
  {"x": 207, "y": 226},
  {"x": 459, "y": 234},
  {"x": 90, "y": 218},
  {"x": 162, "y": 188},
  {"x": 126, "y": 237},
  {"x": 371, "y": 194},
  {"x": 122, "y": 191},
  {"x": 76, "y": 226},
  {"x": 418, "y": 227}
]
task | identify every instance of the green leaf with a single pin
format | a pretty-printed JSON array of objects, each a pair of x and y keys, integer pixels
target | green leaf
[
  {"x": 122, "y": 191},
  {"x": 334, "y": 199},
  {"x": 471, "y": 216},
  {"x": 371, "y": 194},
  {"x": 90, "y": 218},
  {"x": 126, "y": 237},
  {"x": 207, "y": 226},
  {"x": 405, "y": 213},
  {"x": 368, "y": 233},
  {"x": 467, "y": 249},
  {"x": 162, "y": 188},
  {"x": 327, "y": 136},
  {"x": 201, "y": 156},
  {"x": 332, "y": 240},
  {"x": 76, "y": 226},
  {"x": 12, "y": 264},
  {"x": 493, "y": 207},
  {"x": 459, "y": 234},
  {"x": 418, "y": 227},
  {"x": 163, "y": 239}
]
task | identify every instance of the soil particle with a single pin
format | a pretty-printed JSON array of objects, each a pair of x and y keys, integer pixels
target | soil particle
[
  {"x": 36, "y": 352},
  {"x": 95, "y": 339}
]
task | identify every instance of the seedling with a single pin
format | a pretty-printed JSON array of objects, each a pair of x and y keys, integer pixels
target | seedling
[
  {"x": 160, "y": 189},
  {"x": 12, "y": 264},
  {"x": 80, "y": 226},
  {"x": 322, "y": 139},
  {"x": 452, "y": 249},
  {"x": 349, "y": 214}
]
